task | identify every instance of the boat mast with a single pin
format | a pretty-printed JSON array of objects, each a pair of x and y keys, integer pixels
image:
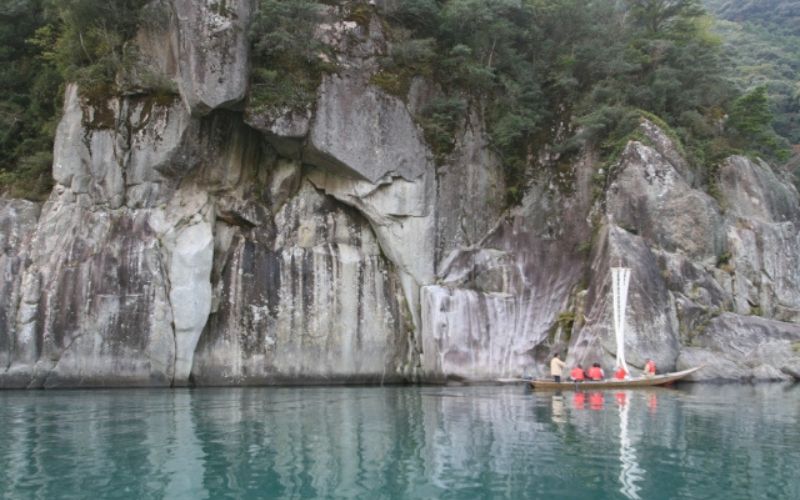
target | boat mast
[{"x": 620, "y": 277}]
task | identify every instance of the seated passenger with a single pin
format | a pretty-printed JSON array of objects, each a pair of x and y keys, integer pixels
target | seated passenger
[
  {"x": 649, "y": 368},
  {"x": 577, "y": 374},
  {"x": 620, "y": 374},
  {"x": 596, "y": 372}
]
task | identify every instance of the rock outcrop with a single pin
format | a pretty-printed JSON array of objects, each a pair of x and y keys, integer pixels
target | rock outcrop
[
  {"x": 316, "y": 302},
  {"x": 196, "y": 240}
]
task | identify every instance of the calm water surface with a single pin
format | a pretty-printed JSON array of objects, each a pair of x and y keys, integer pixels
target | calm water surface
[{"x": 401, "y": 442}]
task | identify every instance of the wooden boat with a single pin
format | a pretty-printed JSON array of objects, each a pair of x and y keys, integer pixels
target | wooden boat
[
  {"x": 631, "y": 383},
  {"x": 620, "y": 278}
]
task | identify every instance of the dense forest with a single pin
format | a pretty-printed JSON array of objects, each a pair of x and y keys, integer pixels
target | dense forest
[
  {"x": 762, "y": 45},
  {"x": 781, "y": 16},
  {"x": 561, "y": 73},
  {"x": 43, "y": 44}
]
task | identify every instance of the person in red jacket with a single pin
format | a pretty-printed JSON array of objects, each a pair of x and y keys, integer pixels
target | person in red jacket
[
  {"x": 577, "y": 374},
  {"x": 649, "y": 368},
  {"x": 596, "y": 372},
  {"x": 620, "y": 374}
]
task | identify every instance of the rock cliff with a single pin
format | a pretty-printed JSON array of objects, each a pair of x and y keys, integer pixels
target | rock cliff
[{"x": 202, "y": 240}]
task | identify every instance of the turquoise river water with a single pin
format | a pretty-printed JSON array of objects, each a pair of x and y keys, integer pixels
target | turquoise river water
[{"x": 401, "y": 442}]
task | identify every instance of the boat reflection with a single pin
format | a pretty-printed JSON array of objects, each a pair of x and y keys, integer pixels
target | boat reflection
[
  {"x": 596, "y": 401},
  {"x": 579, "y": 400},
  {"x": 652, "y": 402},
  {"x": 557, "y": 407}
]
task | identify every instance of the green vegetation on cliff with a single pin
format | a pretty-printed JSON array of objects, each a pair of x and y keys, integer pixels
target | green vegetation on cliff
[
  {"x": 542, "y": 72},
  {"x": 287, "y": 59},
  {"x": 44, "y": 43},
  {"x": 29, "y": 100},
  {"x": 565, "y": 72}
]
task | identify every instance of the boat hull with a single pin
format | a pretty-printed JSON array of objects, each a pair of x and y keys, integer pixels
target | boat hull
[{"x": 653, "y": 381}]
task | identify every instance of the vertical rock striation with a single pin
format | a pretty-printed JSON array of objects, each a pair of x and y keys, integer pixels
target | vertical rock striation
[{"x": 316, "y": 303}]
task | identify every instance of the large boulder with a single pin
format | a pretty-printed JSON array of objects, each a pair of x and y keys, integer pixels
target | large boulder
[
  {"x": 364, "y": 133},
  {"x": 213, "y": 52},
  {"x": 735, "y": 347}
]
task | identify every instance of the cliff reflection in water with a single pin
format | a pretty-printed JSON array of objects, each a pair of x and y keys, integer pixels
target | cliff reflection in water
[{"x": 401, "y": 442}]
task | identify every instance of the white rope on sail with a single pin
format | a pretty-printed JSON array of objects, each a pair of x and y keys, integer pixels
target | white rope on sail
[{"x": 620, "y": 278}]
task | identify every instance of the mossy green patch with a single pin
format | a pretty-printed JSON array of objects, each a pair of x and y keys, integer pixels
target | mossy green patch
[
  {"x": 221, "y": 8},
  {"x": 361, "y": 14},
  {"x": 31, "y": 180},
  {"x": 288, "y": 62},
  {"x": 396, "y": 81}
]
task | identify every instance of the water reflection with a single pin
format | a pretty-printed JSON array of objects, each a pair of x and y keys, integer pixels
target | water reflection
[
  {"x": 557, "y": 407},
  {"x": 630, "y": 471},
  {"x": 400, "y": 442},
  {"x": 596, "y": 400},
  {"x": 579, "y": 400}
]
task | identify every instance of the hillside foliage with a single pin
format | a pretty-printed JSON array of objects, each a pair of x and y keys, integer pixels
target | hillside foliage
[
  {"x": 287, "y": 67},
  {"x": 44, "y": 43},
  {"x": 762, "y": 47}
]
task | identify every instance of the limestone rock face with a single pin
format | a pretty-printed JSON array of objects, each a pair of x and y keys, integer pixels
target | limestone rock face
[
  {"x": 18, "y": 220},
  {"x": 402, "y": 215},
  {"x": 752, "y": 190},
  {"x": 496, "y": 315},
  {"x": 190, "y": 239},
  {"x": 762, "y": 239},
  {"x": 652, "y": 323},
  {"x": 94, "y": 306},
  {"x": 101, "y": 316},
  {"x": 650, "y": 197},
  {"x": 213, "y": 52},
  {"x": 319, "y": 303},
  {"x": 677, "y": 309},
  {"x": 668, "y": 149},
  {"x": 382, "y": 140},
  {"x": 496, "y": 309},
  {"x": 471, "y": 178}
]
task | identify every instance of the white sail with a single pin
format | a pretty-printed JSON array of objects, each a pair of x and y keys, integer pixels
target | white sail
[{"x": 620, "y": 278}]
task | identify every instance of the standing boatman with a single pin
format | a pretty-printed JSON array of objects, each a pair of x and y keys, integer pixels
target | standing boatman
[{"x": 556, "y": 368}]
